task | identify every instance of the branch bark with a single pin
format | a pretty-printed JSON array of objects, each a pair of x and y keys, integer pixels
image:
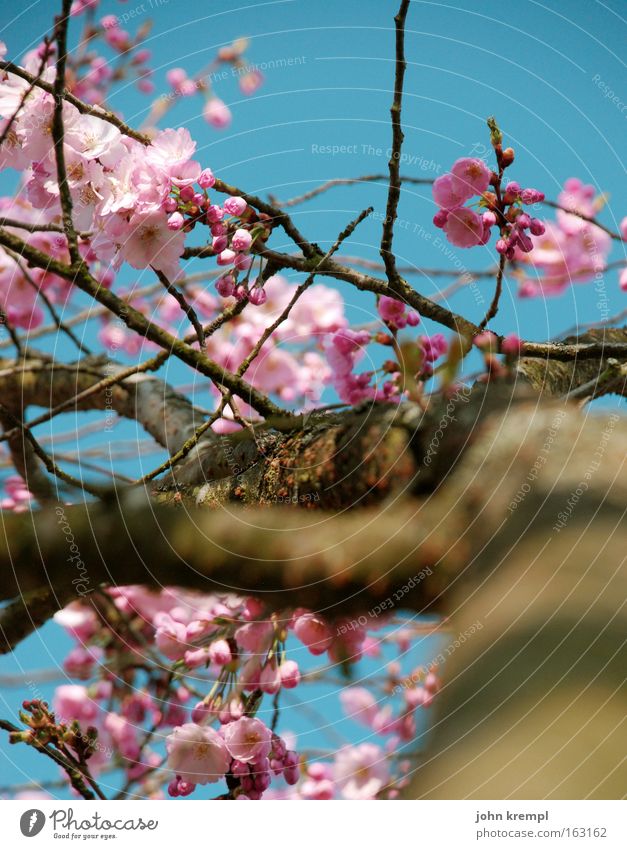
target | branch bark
[{"x": 346, "y": 561}]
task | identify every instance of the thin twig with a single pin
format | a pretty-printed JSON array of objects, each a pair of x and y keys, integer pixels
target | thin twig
[
  {"x": 58, "y": 135},
  {"x": 15, "y": 339},
  {"x": 590, "y": 219},
  {"x": 83, "y": 108},
  {"x": 243, "y": 367},
  {"x": 137, "y": 322},
  {"x": 494, "y": 306},
  {"x": 27, "y": 92},
  {"x": 394, "y": 190},
  {"x": 59, "y": 323},
  {"x": 346, "y": 181},
  {"x": 187, "y": 445},
  {"x": 48, "y": 462},
  {"x": 184, "y": 304}
]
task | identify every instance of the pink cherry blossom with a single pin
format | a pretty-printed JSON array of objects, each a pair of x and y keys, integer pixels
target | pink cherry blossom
[
  {"x": 449, "y": 192},
  {"x": 359, "y": 704},
  {"x": 464, "y": 228},
  {"x": 197, "y": 754},
  {"x": 170, "y": 637},
  {"x": 149, "y": 242},
  {"x": 72, "y": 701},
  {"x": 360, "y": 772},
  {"x": 473, "y": 173},
  {"x": 248, "y": 740},
  {"x": 314, "y": 632}
]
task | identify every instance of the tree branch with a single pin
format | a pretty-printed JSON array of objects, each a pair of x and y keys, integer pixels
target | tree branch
[{"x": 394, "y": 190}]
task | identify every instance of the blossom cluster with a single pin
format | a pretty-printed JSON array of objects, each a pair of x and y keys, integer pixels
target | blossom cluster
[
  {"x": 91, "y": 74},
  {"x": 466, "y": 228},
  {"x": 570, "y": 249},
  {"x": 235, "y": 650},
  {"x": 215, "y": 111}
]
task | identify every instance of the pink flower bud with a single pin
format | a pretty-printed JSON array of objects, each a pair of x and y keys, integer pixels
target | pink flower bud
[
  {"x": 145, "y": 86},
  {"x": 253, "y": 609},
  {"x": 226, "y": 257},
  {"x": 313, "y": 631},
  {"x": 250, "y": 82},
  {"x": 187, "y": 194},
  {"x": 257, "y": 296},
  {"x": 226, "y": 286},
  {"x": 243, "y": 262},
  {"x": 206, "y": 179},
  {"x": 141, "y": 57},
  {"x": 290, "y": 674},
  {"x": 523, "y": 220},
  {"x": 485, "y": 341},
  {"x": 214, "y": 214},
  {"x": 175, "y": 76},
  {"x": 220, "y": 652},
  {"x": 432, "y": 682},
  {"x": 242, "y": 240},
  {"x": 196, "y": 657},
  {"x": 217, "y": 113},
  {"x": 529, "y": 196},
  {"x": 270, "y": 679},
  {"x": 175, "y": 221},
  {"x": 235, "y": 205},
  {"x": 201, "y": 712},
  {"x": 511, "y": 345},
  {"x": 187, "y": 88},
  {"x": 439, "y": 219},
  {"x": 109, "y": 22},
  {"x": 219, "y": 243}
]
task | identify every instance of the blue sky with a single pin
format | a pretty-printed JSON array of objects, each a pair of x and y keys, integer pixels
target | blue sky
[{"x": 551, "y": 73}]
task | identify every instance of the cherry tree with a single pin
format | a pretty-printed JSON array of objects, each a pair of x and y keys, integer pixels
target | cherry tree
[{"x": 316, "y": 512}]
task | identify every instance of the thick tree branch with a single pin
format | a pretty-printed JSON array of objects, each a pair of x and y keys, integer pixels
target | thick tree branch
[
  {"x": 101, "y": 385},
  {"x": 343, "y": 562}
]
